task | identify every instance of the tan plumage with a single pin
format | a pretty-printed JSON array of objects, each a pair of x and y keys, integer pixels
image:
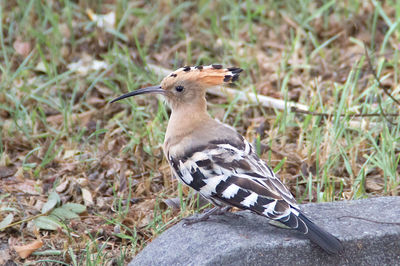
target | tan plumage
[{"x": 219, "y": 163}]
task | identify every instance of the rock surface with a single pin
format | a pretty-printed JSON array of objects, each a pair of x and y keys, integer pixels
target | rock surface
[{"x": 250, "y": 240}]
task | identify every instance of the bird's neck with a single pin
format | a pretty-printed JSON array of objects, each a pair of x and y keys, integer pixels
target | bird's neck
[{"x": 185, "y": 119}]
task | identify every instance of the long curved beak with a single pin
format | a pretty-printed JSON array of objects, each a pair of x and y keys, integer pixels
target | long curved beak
[{"x": 152, "y": 89}]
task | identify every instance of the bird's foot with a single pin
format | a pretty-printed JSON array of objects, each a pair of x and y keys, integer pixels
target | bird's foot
[{"x": 204, "y": 217}]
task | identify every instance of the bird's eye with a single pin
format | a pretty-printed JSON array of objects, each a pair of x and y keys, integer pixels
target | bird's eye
[{"x": 179, "y": 88}]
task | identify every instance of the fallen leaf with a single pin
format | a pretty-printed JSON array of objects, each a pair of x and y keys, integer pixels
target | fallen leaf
[
  {"x": 373, "y": 185},
  {"x": 7, "y": 171},
  {"x": 38, "y": 205},
  {"x": 143, "y": 212},
  {"x": 70, "y": 153},
  {"x": 95, "y": 101},
  {"x": 5, "y": 256},
  {"x": 82, "y": 181},
  {"x": 62, "y": 186},
  {"x": 26, "y": 250},
  {"x": 103, "y": 21},
  {"x": 40, "y": 67},
  {"x": 87, "y": 197},
  {"x": 28, "y": 187},
  {"x": 6, "y": 221},
  {"x": 22, "y": 48},
  {"x": 65, "y": 31},
  {"x": 87, "y": 64},
  {"x": 81, "y": 118},
  {"x": 173, "y": 203},
  {"x": 83, "y": 68},
  {"x": 68, "y": 167},
  {"x": 4, "y": 158},
  {"x": 104, "y": 90},
  {"x": 20, "y": 173}
]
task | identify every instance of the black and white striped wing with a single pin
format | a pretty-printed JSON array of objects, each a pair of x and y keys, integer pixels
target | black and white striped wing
[{"x": 231, "y": 173}]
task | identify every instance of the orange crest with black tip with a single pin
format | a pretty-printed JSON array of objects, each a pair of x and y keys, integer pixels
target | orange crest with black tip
[{"x": 205, "y": 76}]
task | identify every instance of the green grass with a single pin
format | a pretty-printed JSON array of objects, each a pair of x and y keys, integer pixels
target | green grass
[{"x": 57, "y": 125}]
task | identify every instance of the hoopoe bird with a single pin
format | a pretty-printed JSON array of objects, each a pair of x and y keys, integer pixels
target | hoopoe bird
[{"x": 215, "y": 160}]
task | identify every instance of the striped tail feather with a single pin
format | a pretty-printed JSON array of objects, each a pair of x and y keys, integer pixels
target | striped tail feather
[{"x": 316, "y": 234}]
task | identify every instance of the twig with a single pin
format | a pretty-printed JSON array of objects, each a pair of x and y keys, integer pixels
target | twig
[
  {"x": 384, "y": 114},
  {"x": 141, "y": 174},
  {"x": 243, "y": 95},
  {"x": 329, "y": 115},
  {"x": 380, "y": 86},
  {"x": 376, "y": 76},
  {"x": 368, "y": 220},
  {"x": 23, "y": 221},
  {"x": 97, "y": 164}
]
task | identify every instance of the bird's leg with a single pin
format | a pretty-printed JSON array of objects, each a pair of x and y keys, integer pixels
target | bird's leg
[{"x": 204, "y": 217}]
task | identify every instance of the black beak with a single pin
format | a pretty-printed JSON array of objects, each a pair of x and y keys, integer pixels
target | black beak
[{"x": 152, "y": 89}]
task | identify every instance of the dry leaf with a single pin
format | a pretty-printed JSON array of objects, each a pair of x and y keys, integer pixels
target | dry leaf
[
  {"x": 104, "y": 90},
  {"x": 87, "y": 197},
  {"x": 4, "y": 158},
  {"x": 173, "y": 203},
  {"x": 82, "y": 118},
  {"x": 65, "y": 31},
  {"x": 40, "y": 67},
  {"x": 26, "y": 250},
  {"x": 38, "y": 205},
  {"x": 6, "y": 171},
  {"x": 62, "y": 186},
  {"x": 20, "y": 174},
  {"x": 22, "y": 48},
  {"x": 103, "y": 21},
  {"x": 373, "y": 185},
  {"x": 143, "y": 212},
  {"x": 28, "y": 187},
  {"x": 4, "y": 256},
  {"x": 68, "y": 167},
  {"x": 70, "y": 153},
  {"x": 87, "y": 64},
  {"x": 95, "y": 101}
]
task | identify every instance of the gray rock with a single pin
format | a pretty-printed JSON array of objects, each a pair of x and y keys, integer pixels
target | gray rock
[{"x": 251, "y": 240}]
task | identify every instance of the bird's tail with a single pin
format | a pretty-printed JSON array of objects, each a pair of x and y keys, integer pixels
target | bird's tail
[{"x": 316, "y": 234}]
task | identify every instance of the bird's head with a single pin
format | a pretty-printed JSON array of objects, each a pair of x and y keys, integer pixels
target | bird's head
[{"x": 187, "y": 85}]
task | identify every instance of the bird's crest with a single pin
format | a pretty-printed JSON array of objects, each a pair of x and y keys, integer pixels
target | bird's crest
[
  {"x": 190, "y": 77},
  {"x": 206, "y": 76}
]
